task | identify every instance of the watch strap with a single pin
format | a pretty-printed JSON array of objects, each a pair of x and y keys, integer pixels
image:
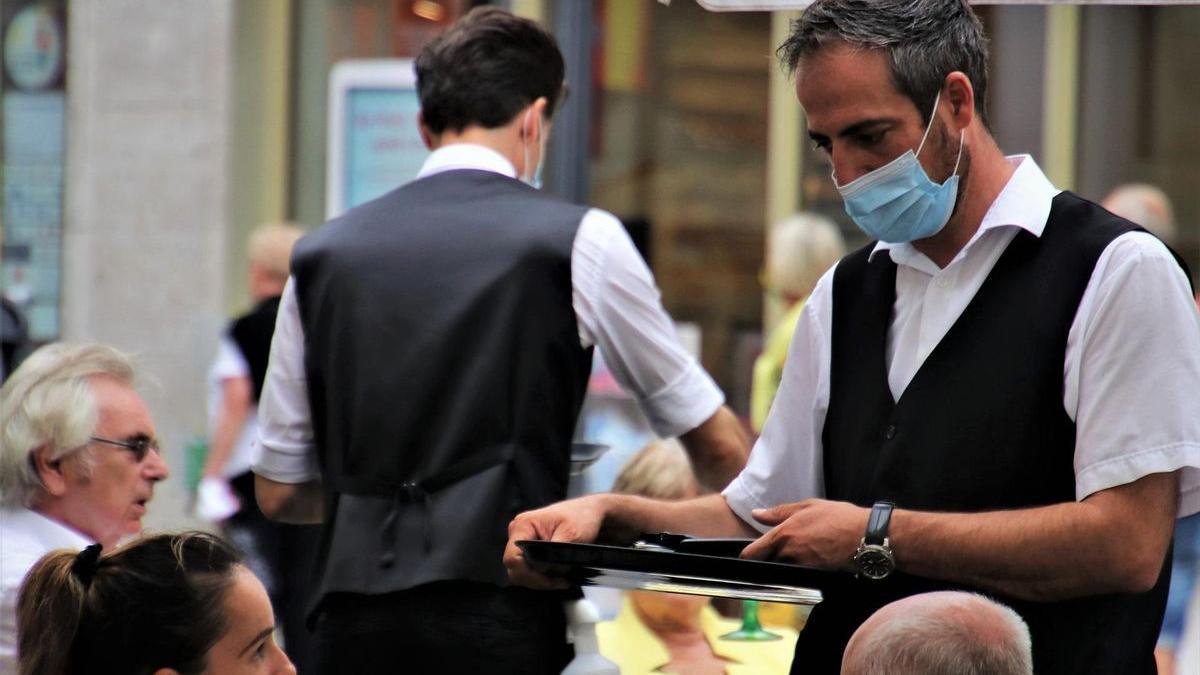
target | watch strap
[{"x": 877, "y": 523}]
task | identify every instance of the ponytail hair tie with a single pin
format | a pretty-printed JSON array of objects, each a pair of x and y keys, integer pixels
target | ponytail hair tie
[{"x": 86, "y": 563}]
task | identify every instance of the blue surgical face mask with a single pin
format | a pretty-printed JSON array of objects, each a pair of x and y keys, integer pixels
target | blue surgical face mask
[
  {"x": 535, "y": 180},
  {"x": 898, "y": 202}
]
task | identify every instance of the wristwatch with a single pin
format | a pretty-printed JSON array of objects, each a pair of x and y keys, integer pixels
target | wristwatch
[{"x": 874, "y": 557}]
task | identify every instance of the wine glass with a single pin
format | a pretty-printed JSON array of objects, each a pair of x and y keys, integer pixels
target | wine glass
[{"x": 751, "y": 629}]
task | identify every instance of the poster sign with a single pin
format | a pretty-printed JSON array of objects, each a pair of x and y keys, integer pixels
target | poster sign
[
  {"x": 374, "y": 143},
  {"x": 34, "y": 144}
]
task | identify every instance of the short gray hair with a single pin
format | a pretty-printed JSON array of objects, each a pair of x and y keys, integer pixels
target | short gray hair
[
  {"x": 925, "y": 40},
  {"x": 801, "y": 249},
  {"x": 1146, "y": 205},
  {"x": 48, "y": 402},
  {"x": 954, "y": 633}
]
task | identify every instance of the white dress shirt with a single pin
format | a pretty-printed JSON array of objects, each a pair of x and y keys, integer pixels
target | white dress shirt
[
  {"x": 25, "y": 536},
  {"x": 617, "y": 306},
  {"x": 1131, "y": 369}
]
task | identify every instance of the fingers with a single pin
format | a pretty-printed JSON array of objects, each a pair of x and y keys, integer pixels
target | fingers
[
  {"x": 521, "y": 573},
  {"x": 762, "y": 548},
  {"x": 776, "y": 514}
]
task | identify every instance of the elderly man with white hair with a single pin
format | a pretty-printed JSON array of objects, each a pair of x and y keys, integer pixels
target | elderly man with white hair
[
  {"x": 78, "y": 462},
  {"x": 942, "y": 633}
]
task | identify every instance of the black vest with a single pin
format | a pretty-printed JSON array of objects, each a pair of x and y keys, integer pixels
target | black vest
[
  {"x": 445, "y": 375},
  {"x": 252, "y": 334},
  {"x": 981, "y": 427}
]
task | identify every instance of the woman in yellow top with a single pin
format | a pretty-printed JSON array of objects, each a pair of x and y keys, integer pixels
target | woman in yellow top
[
  {"x": 675, "y": 633},
  {"x": 799, "y": 251}
]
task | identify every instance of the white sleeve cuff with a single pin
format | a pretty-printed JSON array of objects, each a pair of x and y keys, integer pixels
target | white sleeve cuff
[
  {"x": 282, "y": 464},
  {"x": 683, "y": 404},
  {"x": 741, "y": 502},
  {"x": 1182, "y": 457}
]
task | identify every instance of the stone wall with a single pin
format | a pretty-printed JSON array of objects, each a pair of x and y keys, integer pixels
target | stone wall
[{"x": 144, "y": 242}]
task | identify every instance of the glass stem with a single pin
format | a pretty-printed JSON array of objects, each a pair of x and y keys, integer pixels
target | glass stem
[{"x": 750, "y": 616}]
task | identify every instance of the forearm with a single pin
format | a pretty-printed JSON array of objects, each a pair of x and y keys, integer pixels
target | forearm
[
  {"x": 231, "y": 419},
  {"x": 298, "y": 503},
  {"x": 612, "y": 518},
  {"x": 229, "y": 427},
  {"x": 1114, "y": 541},
  {"x": 626, "y": 516},
  {"x": 718, "y": 449}
]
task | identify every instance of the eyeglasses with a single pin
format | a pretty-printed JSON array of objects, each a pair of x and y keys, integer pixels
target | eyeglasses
[{"x": 140, "y": 445}]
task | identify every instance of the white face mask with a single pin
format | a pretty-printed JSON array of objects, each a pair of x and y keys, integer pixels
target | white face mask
[{"x": 534, "y": 179}]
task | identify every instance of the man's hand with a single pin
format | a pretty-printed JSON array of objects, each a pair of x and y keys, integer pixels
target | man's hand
[
  {"x": 215, "y": 500},
  {"x": 577, "y": 520},
  {"x": 295, "y": 503},
  {"x": 1113, "y": 541},
  {"x": 814, "y": 533}
]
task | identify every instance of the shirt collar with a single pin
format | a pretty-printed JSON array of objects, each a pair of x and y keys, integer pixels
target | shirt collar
[
  {"x": 466, "y": 156},
  {"x": 1023, "y": 203},
  {"x": 55, "y": 533}
]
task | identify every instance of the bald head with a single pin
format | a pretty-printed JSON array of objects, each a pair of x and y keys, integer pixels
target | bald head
[
  {"x": 1144, "y": 205},
  {"x": 944, "y": 633}
]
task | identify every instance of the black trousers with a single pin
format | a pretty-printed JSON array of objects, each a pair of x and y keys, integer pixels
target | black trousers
[{"x": 446, "y": 627}]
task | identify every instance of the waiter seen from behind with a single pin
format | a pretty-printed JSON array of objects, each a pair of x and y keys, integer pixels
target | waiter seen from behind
[
  {"x": 429, "y": 363},
  {"x": 1010, "y": 366}
]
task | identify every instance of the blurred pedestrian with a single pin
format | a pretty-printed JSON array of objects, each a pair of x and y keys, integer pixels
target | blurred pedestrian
[
  {"x": 1146, "y": 205},
  {"x": 281, "y": 555},
  {"x": 799, "y": 251},
  {"x": 15, "y": 344}
]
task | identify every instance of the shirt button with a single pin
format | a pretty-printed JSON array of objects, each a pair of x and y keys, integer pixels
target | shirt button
[
  {"x": 890, "y": 432},
  {"x": 943, "y": 283}
]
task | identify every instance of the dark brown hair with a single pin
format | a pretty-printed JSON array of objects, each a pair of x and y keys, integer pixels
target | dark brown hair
[
  {"x": 155, "y": 603},
  {"x": 485, "y": 69}
]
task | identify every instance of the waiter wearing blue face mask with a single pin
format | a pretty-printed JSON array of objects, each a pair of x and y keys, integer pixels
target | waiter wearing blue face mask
[
  {"x": 998, "y": 394},
  {"x": 430, "y": 359}
]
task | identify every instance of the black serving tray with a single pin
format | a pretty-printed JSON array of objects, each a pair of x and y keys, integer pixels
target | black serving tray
[{"x": 660, "y": 569}]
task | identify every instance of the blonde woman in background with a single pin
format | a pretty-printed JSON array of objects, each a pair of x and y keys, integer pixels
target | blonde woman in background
[
  {"x": 799, "y": 251},
  {"x": 670, "y": 632}
]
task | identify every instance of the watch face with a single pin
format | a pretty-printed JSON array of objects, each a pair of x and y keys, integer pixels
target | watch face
[{"x": 875, "y": 562}]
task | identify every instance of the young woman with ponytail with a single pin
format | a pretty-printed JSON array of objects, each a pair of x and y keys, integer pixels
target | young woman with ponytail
[{"x": 169, "y": 604}]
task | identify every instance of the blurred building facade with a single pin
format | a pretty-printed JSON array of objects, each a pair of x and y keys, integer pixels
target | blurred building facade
[{"x": 184, "y": 124}]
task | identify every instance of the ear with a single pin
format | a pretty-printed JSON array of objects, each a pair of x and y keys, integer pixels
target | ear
[
  {"x": 50, "y": 471},
  {"x": 960, "y": 98},
  {"x": 427, "y": 137},
  {"x": 533, "y": 122}
]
